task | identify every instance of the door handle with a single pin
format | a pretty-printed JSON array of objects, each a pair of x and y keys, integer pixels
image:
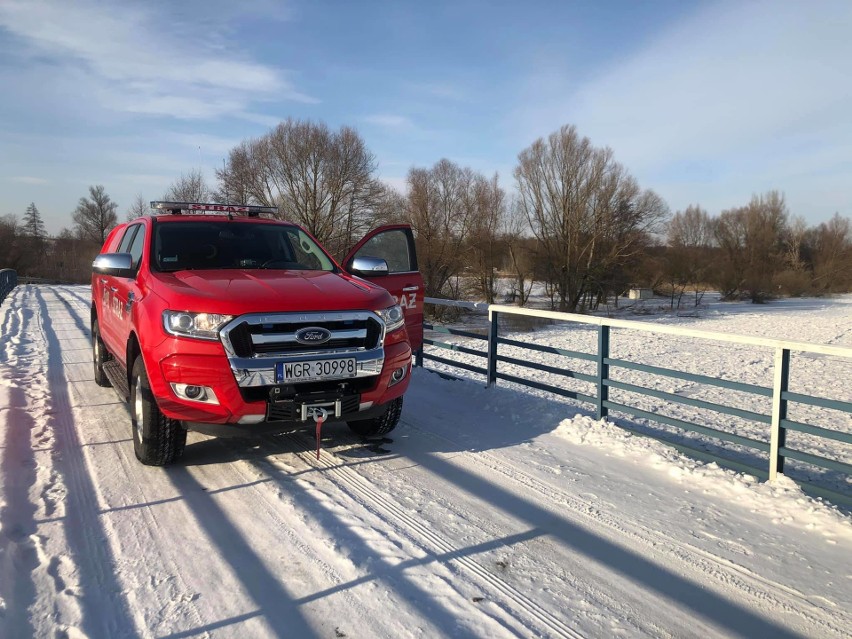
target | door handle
[
  {"x": 408, "y": 289},
  {"x": 104, "y": 280},
  {"x": 113, "y": 288}
]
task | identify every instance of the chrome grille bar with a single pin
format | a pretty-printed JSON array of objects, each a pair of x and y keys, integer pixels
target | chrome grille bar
[{"x": 290, "y": 338}]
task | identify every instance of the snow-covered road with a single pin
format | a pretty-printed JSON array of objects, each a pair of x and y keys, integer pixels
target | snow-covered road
[{"x": 489, "y": 514}]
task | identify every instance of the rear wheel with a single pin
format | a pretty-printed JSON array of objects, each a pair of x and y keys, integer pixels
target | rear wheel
[
  {"x": 99, "y": 356},
  {"x": 157, "y": 439},
  {"x": 380, "y": 425}
]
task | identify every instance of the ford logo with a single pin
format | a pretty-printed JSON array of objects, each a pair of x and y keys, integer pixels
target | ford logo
[{"x": 313, "y": 335}]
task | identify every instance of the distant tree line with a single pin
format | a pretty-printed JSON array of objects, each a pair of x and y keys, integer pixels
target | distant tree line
[
  {"x": 66, "y": 257},
  {"x": 577, "y": 222}
]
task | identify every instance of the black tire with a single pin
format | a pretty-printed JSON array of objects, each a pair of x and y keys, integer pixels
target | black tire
[
  {"x": 99, "y": 356},
  {"x": 157, "y": 439},
  {"x": 380, "y": 425}
]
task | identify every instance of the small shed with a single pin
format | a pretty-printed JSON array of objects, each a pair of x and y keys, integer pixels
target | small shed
[{"x": 640, "y": 294}]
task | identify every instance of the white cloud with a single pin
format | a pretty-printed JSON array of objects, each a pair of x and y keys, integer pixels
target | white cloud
[
  {"x": 133, "y": 59},
  {"x": 740, "y": 91},
  {"x": 390, "y": 121}
]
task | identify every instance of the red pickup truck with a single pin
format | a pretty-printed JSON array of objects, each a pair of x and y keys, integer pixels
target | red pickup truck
[{"x": 214, "y": 318}]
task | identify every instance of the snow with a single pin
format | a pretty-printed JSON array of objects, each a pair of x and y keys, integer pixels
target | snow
[
  {"x": 825, "y": 321},
  {"x": 488, "y": 512}
]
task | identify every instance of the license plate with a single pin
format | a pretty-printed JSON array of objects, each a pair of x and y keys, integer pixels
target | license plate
[{"x": 286, "y": 372}]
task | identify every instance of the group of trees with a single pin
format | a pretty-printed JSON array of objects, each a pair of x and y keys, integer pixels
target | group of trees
[
  {"x": 754, "y": 252},
  {"x": 66, "y": 257},
  {"x": 578, "y": 222}
]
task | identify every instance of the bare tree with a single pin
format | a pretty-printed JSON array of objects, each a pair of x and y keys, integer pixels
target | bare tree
[
  {"x": 390, "y": 207},
  {"x": 483, "y": 247},
  {"x": 690, "y": 228},
  {"x": 440, "y": 208},
  {"x": 831, "y": 247},
  {"x": 139, "y": 208},
  {"x": 588, "y": 214},
  {"x": 731, "y": 233},
  {"x": 323, "y": 179},
  {"x": 10, "y": 235},
  {"x": 95, "y": 217},
  {"x": 795, "y": 276},
  {"x": 190, "y": 187},
  {"x": 519, "y": 253},
  {"x": 752, "y": 240},
  {"x": 689, "y": 255}
]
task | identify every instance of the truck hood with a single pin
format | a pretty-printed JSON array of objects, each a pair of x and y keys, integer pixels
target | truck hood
[{"x": 235, "y": 292}]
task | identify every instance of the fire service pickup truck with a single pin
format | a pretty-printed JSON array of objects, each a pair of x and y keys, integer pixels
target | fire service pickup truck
[{"x": 215, "y": 318}]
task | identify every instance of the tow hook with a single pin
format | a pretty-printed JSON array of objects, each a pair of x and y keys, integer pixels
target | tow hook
[{"x": 319, "y": 415}]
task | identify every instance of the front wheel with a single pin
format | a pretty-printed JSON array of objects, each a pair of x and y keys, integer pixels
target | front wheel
[
  {"x": 381, "y": 425},
  {"x": 99, "y": 356},
  {"x": 157, "y": 440}
]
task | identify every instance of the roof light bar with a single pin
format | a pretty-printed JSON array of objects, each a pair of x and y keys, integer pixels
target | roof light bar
[{"x": 177, "y": 208}]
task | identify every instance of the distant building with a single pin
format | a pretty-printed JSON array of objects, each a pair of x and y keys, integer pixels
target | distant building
[{"x": 640, "y": 294}]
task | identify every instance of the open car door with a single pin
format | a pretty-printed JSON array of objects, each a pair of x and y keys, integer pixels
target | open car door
[{"x": 395, "y": 245}]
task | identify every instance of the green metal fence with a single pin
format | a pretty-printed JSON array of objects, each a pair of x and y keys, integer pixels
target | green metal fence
[
  {"x": 774, "y": 447},
  {"x": 8, "y": 281}
]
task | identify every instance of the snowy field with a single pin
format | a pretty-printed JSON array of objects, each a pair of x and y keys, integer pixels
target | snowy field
[
  {"x": 487, "y": 513},
  {"x": 822, "y": 321}
]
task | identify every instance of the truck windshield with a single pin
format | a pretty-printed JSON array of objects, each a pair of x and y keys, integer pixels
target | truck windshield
[{"x": 230, "y": 244}]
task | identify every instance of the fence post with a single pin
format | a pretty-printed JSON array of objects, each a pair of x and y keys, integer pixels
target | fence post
[
  {"x": 418, "y": 357},
  {"x": 492, "y": 348},
  {"x": 777, "y": 433},
  {"x": 603, "y": 370}
]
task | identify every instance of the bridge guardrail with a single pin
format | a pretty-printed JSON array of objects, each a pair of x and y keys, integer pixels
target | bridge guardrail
[
  {"x": 599, "y": 384},
  {"x": 8, "y": 281}
]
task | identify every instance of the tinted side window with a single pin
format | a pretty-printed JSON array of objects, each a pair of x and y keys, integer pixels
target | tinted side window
[
  {"x": 391, "y": 246},
  {"x": 136, "y": 245},
  {"x": 127, "y": 239}
]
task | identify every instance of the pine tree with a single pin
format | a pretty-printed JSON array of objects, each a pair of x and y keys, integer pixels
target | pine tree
[{"x": 33, "y": 224}]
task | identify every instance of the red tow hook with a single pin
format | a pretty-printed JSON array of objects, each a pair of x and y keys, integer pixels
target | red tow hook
[{"x": 319, "y": 415}]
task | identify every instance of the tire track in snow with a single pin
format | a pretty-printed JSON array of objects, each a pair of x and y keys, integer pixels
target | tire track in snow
[
  {"x": 104, "y": 607},
  {"x": 165, "y": 587},
  {"x": 18, "y": 556},
  {"x": 431, "y": 541},
  {"x": 592, "y": 595},
  {"x": 273, "y": 486},
  {"x": 12, "y": 322},
  {"x": 766, "y": 593}
]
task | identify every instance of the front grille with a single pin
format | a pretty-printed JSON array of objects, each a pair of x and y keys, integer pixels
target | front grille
[{"x": 276, "y": 335}]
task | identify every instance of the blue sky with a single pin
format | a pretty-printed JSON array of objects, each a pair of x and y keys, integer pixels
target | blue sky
[{"x": 705, "y": 102}]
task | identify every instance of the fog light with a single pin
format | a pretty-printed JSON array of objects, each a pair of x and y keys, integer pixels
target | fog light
[
  {"x": 193, "y": 392},
  {"x": 398, "y": 375},
  {"x": 200, "y": 394}
]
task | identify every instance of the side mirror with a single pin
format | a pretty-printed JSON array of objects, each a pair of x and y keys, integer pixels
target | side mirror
[
  {"x": 368, "y": 267},
  {"x": 116, "y": 264}
]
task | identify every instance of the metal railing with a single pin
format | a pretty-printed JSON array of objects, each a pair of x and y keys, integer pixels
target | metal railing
[
  {"x": 8, "y": 281},
  {"x": 598, "y": 379}
]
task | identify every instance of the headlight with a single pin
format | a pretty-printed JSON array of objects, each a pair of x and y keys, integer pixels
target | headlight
[
  {"x": 393, "y": 317},
  {"x": 199, "y": 325}
]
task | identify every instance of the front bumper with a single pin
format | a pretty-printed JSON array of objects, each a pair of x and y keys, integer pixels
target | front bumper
[
  {"x": 183, "y": 361},
  {"x": 272, "y": 428}
]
